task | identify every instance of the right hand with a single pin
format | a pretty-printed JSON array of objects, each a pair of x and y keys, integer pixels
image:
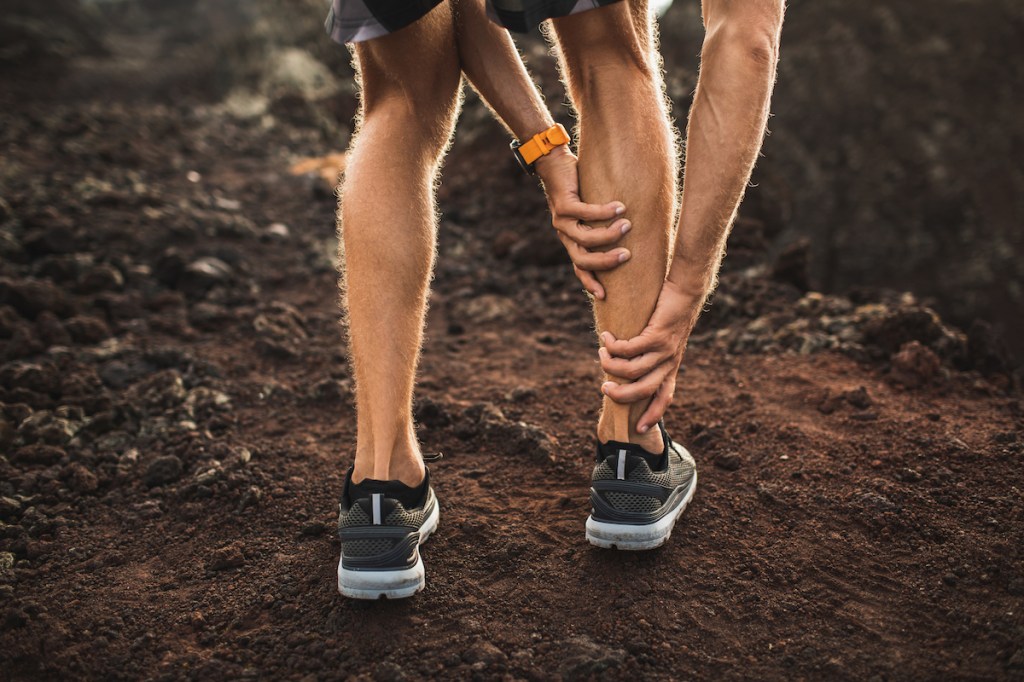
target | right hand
[{"x": 570, "y": 215}]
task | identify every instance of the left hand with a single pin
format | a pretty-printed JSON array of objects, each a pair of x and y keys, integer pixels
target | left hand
[
  {"x": 570, "y": 215},
  {"x": 649, "y": 362}
]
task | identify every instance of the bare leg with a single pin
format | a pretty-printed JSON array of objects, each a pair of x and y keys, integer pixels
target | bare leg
[
  {"x": 410, "y": 85},
  {"x": 627, "y": 151}
]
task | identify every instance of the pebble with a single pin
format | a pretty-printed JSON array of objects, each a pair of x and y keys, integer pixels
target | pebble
[
  {"x": 87, "y": 329},
  {"x": 915, "y": 365},
  {"x": 80, "y": 479},
  {"x": 730, "y": 461},
  {"x": 227, "y": 557},
  {"x": 163, "y": 470},
  {"x": 203, "y": 274}
]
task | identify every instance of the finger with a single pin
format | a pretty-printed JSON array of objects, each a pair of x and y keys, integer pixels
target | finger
[
  {"x": 589, "y": 283},
  {"x": 646, "y": 342},
  {"x": 572, "y": 208},
  {"x": 592, "y": 237},
  {"x": 656, "y": 410},
  {"x": 633, "y": 368},
  {"x": 596, "y": 261},
  {"x": 634, "y": 392}
]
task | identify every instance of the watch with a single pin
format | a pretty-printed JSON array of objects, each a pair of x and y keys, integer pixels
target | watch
[{"x": 539, "y": 145}]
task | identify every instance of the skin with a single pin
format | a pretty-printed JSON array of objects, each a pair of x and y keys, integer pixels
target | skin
[
  {"x": 648, "y": 289},
  {"x": 726, "y": 127},
  {"x": 410, "y": 91},
  {"x": 607, "y": 59}
]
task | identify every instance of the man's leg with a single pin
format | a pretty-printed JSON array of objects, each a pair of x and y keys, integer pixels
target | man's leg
[
  {"x": 627, "y": 151},
  {"x": 410, "y": 85}
]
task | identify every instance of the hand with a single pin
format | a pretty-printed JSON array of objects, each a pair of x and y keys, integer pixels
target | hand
[
  {"x": 650, "y": 361},
  {"x": 569, "y": 214}
]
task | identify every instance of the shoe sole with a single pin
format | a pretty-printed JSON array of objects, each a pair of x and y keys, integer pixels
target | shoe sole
[
  {"x": 397, "y": 584},
  {"x": 637, "y": 538}
]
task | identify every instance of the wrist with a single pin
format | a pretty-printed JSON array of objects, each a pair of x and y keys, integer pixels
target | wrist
[
  {"x": 541, "y": 145},
  {"x": 694, "y": 288},
  {"x": 552, "y": 158}
]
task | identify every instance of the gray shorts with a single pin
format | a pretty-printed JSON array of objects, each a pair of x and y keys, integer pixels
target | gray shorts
[{"x": 352, "y": 21}]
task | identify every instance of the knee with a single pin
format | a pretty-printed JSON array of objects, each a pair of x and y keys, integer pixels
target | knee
[
  {"x": 422, "y": 117},
  {"x": 746, "y": 28},
  {"x": 602, "y": 49}
]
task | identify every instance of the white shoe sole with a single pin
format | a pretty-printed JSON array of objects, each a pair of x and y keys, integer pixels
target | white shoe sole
[
  {"x": 390, "y": 584},
  {"x": 636, "y": 538}
]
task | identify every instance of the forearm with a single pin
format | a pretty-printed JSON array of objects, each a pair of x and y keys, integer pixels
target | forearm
[
  {"x": 726, "y": 126},
  {"x": 493, "y": 67}
]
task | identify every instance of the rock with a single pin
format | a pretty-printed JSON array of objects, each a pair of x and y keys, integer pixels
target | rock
[
  {"x": 87, "y": 329},
  {"x": 281, "y": 331},
  {"x": 203, "y": 401},
  {"x": 858, "y": 398},
  {"x": 50, "y": 330},
  {"x": 80, "y": 479},
  {"x": 122, "y": 373},
  {"x": 313, "y": 529},
  {"x": 202, "y": 275},
  {"x": 902, "y": 326},
  {"x": 10, "y": 508},
  {"x": 915, "y": 365},
  {"x": 102, "y": 277},
  {"x": 46, "y": 427},
  {"x": 162, "y": 470},
  {"x": 431, "y": 413},
  {"x": 294, "y": 72},
  {"x": 38, "y": 453},
  {"x": 30, "y": 297},
  {"x": 583, "y": 658},
  {"x": 24, "y": 342},
  {"x": 331, "y": 390},
  {"x": 277, "y": 232},
  {"x": 486, "y": 653},
  {"x": 38, "y": 377},
  {"x": 161, "y": 391},
  {"x": 521, "y": 394},
  {"x": 730, "y": 461},
  {"x": 227, "y": 558}
]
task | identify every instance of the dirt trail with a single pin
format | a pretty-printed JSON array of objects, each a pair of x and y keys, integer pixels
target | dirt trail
[{"x": 175, "y": 419}]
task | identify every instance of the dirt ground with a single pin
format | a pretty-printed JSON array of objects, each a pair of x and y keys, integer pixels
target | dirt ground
[{"x": 176, "y": 417}]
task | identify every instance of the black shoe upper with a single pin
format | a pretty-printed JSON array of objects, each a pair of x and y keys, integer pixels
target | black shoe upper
[
  {"x": 379, "y": 523},
  {"x": 632, "y": 486}
]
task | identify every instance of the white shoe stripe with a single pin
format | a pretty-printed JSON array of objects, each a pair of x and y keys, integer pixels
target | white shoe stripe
[
  {"x": 621, "y": 473},
  {"x": 376, "y": 508}
]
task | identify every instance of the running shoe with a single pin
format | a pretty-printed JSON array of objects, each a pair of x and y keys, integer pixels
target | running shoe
[
  {"x": 636, "y": 497},
  {"x": 382, "y": 525}
]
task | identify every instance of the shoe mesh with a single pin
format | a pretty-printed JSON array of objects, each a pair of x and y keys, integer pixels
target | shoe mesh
[
  {"x": 680, "y": 469},
  {"x": 367, "y": 547},
  {"x": 628, "y": 502}
]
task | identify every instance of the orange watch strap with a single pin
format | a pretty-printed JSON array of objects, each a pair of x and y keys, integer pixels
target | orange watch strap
[{"x": 542, "y": 143}]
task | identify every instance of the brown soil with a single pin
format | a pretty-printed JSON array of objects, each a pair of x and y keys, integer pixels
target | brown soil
[{"x": 174, "y": 433}]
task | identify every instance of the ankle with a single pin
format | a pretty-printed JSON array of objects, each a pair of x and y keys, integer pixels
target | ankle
[
  {"x": 404, "y": 464},
  {"x": 651, "y": 441}
]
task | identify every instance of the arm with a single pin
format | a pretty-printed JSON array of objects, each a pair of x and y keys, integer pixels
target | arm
[
  {"x": 492, "y": 65},
  {"x": 727, "y": 123}
]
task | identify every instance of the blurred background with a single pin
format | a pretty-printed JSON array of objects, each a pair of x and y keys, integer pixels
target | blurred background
[{"x": 893, "y": 161}]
